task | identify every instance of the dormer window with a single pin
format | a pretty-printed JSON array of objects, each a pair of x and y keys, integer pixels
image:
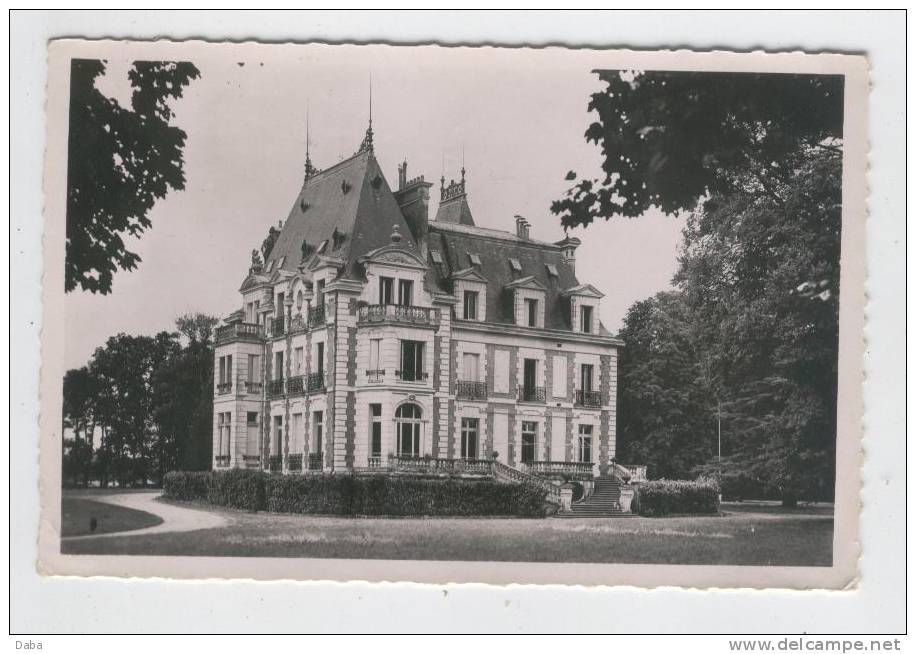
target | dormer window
[
  {"x": 470, "y": 305},
  {"x": 436, "y": 256},
  {"x": 270, "y": 266},
  {"x": 475, "y": 259},
  {"x": 552, "y": 270},
  {"x": 280, "y": 263},
  {"x": 321, "y": 248},
  {"x": 516, "y": 265},
  {"x": 585, "y": 319}
]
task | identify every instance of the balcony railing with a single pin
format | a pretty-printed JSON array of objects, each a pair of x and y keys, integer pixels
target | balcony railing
[
  {"x": 296, "y": 323},
  {"x": 472, "y": 390},
  {"x": 277, "y": 326},
  {"x": 275, "y": 387},
  {"x": 435, "y": 465},
  {"x": 532, "y": 394},
  {"x": 375, "y": 461},
  {"x": 295, "y": 385},
  {"x": 411, "y": 375},
  {"x": 224, "y": 387},
  {"x": 294, "y": 462},
  {"x": 238, "y": 330},
  {"x": 275, "y": 462},
  {"x": 395, "y": 313},
  {"x": 251, "y": 460},
  {"x": 567, "y": 469},
  {"x": 632, "y": 473},
  {"x": 315, "y": 462},
  {"x": 315, "y": 382},
  {"x": 254, "y": 387},
  {"x": 588, "y": 398},
  {"x": 222, "y": 460},
  {"x": 375, "y": 376},
  {"x": 316, "y": 316}
]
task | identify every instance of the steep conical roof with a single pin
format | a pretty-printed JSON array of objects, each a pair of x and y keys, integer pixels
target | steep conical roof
[{"x": 349, "y": 207}]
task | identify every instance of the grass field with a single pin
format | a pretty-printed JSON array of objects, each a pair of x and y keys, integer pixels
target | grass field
[
  {"x": 748, "y": 535},
  {"x": 77, "y": 514}
]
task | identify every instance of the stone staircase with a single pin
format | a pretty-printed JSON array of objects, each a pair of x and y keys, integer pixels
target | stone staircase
[{"x": 604, "y": 502}]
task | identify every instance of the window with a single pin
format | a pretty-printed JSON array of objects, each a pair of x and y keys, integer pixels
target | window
[
  {"x": 471, "y": 367},
  {"x": 531, "y": 312},
  {"x": 469, "y": 432},
  {"x": 270, "y": 266},
  {"x": 280, "y": 299},
  {"x": 585, "y": 443},
  {"x": 225, "y": 374},
  {"x": 516, "y": 266},
  {"x": 280, "y": 262},
  {"x": 276, "y": 446},
  {"x": 278, "y": 365},
  {"x": 585, "y": 319},
  {"x": 436, "y": 256},
  {"x": 322, "y": 247},
  {"x": 253, "y": 434},
  {"x": 552, "y": 270},
  {"x": 586, "y": 376},
  {"x": 412, "y": 361},
  {"x": 224, "y": 433},
  {"x": 295, "y": 435},
  {"x": 375, "y": 348},
  {"x": 405, "y": 292},
  {"x": 298, "y": 360},
  {"x": 299, "y": 301},
  {"x": 319, "y": 357},
  {"x": 319, "y": 295},
  {"x": 407, "y": 417},
  {"x": 317, "y": 431},
  {"x": 385, "y": 290},
  {"x": 252, "y": 418},
  {"x": 529, "y": 441},
  {"x": 375, "y": 430},
  {"x": 254, "y": 368},
  {"x": 257, "y": 311},
  {"x": 470, "y": 305},
  {"x": 530, "y": 374},
  {"x": 474, "y": 259},
  {"x": 249, "y": 312}
]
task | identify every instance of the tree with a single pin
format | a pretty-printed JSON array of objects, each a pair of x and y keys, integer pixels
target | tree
[
  {"x": 79, "y": 391},
  {"x": 670, "y": 138},
  {"x": 120, "y": 161}
]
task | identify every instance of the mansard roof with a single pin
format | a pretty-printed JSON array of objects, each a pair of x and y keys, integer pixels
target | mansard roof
[
  {"x": 495, "y": 248},
  {"x": 349, "y": 208}
]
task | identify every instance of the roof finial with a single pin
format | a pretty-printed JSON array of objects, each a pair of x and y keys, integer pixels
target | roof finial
[
  {"x": 462, "y": 164},
  {"x": 366, "y": 145},
  {"x": 309, "y": 168}
]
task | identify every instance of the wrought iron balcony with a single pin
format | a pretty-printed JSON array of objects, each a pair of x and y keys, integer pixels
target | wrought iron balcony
[
  {"x": 316, "y": 316},
  {"x": 275, "y": 387},
  {"x": 398, "y": 314},
  {"x": 251, "y": 460},
  {"x": 295, "y": 385},
  {"x": 472, "y": 390},
  {"x": 254, "y": 387},
  {"x": 375, "y": 376},
  {"x": 239, "y": 331},
  {"x": 315, "y": 461},
  {"x": 224, "y": 387},
  {"x": 294, "y": 462},
  {"x": 275, "y": 462},
  {"x": 411, "y": 375},
  {"x": 564, "y": 469},
  {"x": 532, "y": 394},
  {"x": 315, "y": 382},
  {"x": 588, "y": 398},
  {"x": 222, "y": 460}
]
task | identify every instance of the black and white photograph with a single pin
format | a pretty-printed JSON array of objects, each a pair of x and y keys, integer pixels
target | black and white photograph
[{"x": 509, "y": 309}]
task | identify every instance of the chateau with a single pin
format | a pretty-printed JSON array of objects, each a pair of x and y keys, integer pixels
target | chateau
[{"x": 371, "y": 338}]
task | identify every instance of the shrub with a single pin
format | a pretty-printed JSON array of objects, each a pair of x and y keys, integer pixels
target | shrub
[
  {"x": 400, "y": 496},
  {"x": 186, "y": 486},
  {"x": 239, "y": 489},
  {"x": 664, "y": 497}
]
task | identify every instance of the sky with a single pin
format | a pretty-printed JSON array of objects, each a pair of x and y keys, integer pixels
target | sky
[{"x": 516, "y": 117}]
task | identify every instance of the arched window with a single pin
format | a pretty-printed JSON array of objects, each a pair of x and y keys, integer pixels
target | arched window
[
  {"x": 407, "y": 417},
  {"x": 299, "y": 300}
]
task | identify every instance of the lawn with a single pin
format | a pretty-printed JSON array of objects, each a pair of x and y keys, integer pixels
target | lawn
[
  {"x": 742, "y": 537},
  {"x": 77, "y": 515}
]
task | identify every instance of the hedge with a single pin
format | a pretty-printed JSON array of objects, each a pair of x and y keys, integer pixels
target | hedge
[
  {"x": 664, "y": 497},
  {"x": 356, "y": 495}
]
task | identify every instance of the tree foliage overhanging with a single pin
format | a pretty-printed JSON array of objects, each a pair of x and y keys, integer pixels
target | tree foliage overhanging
[
  {"x": 120, "y": 161},
  {"x": 749, "y": 337},
  {"x": 149, "y": 399}
]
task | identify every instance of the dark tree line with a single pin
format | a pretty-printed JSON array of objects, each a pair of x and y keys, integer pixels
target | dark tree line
[
  {"x": 141, "y": 407},
  {"x": 748, "y": 340}
]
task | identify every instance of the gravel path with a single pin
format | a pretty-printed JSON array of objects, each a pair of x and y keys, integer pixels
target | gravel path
[{"x": 174, "y": 518}]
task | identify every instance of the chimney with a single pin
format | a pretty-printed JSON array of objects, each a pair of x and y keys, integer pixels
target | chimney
[
  {"x": 569, "y": 245},
  {"x": 402, "y": 175},
  {"x": 520, "y": 227}
]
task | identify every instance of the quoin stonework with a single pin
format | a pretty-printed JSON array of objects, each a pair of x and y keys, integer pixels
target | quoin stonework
[{"x": 373, "y": 339}]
